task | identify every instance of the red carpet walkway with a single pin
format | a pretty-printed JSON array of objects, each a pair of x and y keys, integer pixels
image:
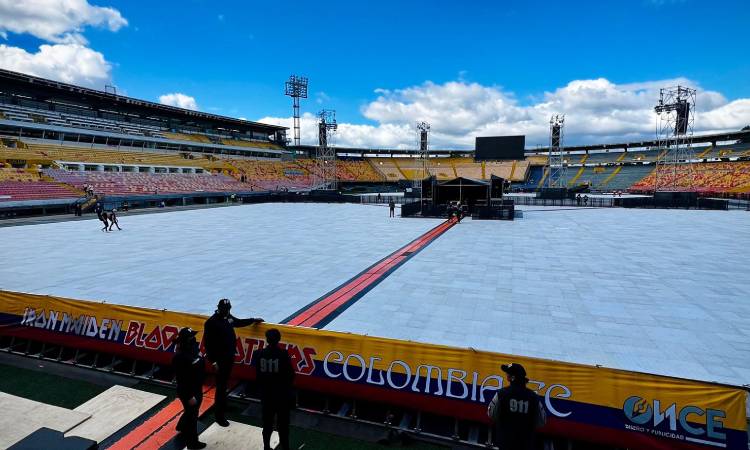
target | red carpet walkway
[
  {"x": 160, "y": 428},
  {"x": 323, "y": 310}
]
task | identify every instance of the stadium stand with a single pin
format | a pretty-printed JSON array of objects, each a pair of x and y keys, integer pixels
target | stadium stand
[
  {"x": 21, "y": 185},
  {"x": 357, "y": 170},
  {"x": 442, "y": 168},
  {"x": 274, "y": 174},
  {"x": 121, "y": 184},
  {"x": 253, "y": 144},
  {"x": 12, "y": 191},
  {"x": 48, "y": 154},
  {"x": 388, "y": 169},
  {"x": 717, "y": 177},
  {"x": 188, "y": 137},
  {"x": 467, "y": 168}
]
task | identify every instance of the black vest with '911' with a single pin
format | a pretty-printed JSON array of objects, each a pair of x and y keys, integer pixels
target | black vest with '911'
[{"x": 274, "y": 372}]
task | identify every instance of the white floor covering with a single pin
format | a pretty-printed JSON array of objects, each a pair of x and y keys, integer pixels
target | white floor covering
[
  {"x": 269, "y": 259},
  {"x": 659, "y": 291}
]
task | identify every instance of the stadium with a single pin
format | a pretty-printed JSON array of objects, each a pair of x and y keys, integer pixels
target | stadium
[{"x": 401, "y": 279}]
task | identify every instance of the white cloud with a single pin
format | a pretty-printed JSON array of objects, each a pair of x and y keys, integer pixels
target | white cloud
[
  {"x": 58, "y": 21},
  {"x": 69, "y": 63},
  {"x": 179, "y": 100},
  {"x": 597, "y": 111}
]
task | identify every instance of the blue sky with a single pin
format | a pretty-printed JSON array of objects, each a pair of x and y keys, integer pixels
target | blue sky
[{"x": 233, "y": 57}]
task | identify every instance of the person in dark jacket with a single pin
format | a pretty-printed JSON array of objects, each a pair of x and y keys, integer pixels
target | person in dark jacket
[
  {"x": 221, "y": 345},
  {"x": 113, "y": 220},
  {"x": 189, "y": 368},
  {"x": 516, "y": 412},
  {"x": 275, "y": 375},
  {"x": 392, "y": 208}
]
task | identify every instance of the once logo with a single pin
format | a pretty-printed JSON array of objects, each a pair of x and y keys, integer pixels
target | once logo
[{"x": 690, "y": 418}]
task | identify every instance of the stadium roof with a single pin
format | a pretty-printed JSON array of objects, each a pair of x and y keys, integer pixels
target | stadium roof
[
  {"x": 93, "y": 96},
  {"x": 696, "y": 139}
]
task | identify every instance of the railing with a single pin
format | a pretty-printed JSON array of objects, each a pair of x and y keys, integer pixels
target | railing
[
  {"x": 383, "y": 199},
  {"x": 630, "y": 202},
  {"x": 592, "y": 202}
]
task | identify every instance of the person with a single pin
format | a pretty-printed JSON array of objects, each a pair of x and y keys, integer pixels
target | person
[
  {"x": 189, "y": 368},
  {"x": 221, "y": 345},
  {"x": 275, "y": 376},
  {"x": 125, "y": 206},
  {"x": 585, "y": 200},
  {"x": 103, "y": 218},
  {"x": 379, "y": 199},
  {"x": 578, "y": 199},
  {"x": 516, "y": 412},
  {"x": 99, "y": 209},
  {"x": 392, "y": 208},
  {"x": 113, "y": 220}
]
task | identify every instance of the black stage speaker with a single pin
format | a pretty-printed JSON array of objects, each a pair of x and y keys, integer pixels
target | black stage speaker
[
  {"x": 428, "y": 186},
  {"x": 496, "y": 187}
]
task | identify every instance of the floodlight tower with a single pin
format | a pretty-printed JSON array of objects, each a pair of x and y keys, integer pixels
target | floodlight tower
[
  {"x": 325, "y": 154},
  {"x": 296, "y": 87},
  {"x": 675, "y": 120},
  {"x": 556, "y": 170}
]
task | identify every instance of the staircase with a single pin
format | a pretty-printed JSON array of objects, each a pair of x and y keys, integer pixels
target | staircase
[
  {"x": 705, "y": 152},
  {"x": 544, "y": 177},
  {"x": 395, "y": 163},
  {"x": 573, "y": 181},
  {"x": 88, "y": 203},
  {"x": 611, "y": 176}
]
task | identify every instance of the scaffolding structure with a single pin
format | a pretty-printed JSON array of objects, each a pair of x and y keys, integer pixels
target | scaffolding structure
[
  {"x": 296, "y": 87},
  {"x": 675, "y": 121},
  {"x": 556, "y": 169},
  {"x": 423, "y": 142},
  {"x": 325, "y": 154}
]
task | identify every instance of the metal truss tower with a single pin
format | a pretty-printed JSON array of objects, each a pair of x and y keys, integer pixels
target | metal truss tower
[
  {"x": 325, "y": 154},
  {"x": 556, "y": 170},
  {"x": 296, "y": 87},
  {"x": 675, "y": 121},
  {"x": 423, "y": 136}
]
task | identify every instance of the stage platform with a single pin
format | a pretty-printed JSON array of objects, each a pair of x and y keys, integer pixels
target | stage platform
[{"x": 659, "y": 291}]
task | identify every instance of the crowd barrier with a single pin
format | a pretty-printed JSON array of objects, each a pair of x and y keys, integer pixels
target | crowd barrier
[{"x": 595, "y": 404}]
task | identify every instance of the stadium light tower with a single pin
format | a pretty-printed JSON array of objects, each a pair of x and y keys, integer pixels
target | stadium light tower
[
  {"x": 675, "y": 120},
  {"x": 325, "y": 154},
  {"x": 556, "y": 170},
  {"x": 296, "y": 87}
]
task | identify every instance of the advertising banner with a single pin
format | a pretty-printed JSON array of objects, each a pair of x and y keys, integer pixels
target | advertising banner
[{"x": 616, "y": 407}]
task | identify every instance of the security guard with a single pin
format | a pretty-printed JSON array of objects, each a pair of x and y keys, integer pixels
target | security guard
[
  {"x": 275, "y": 375},
  {"x": 221, "y": 346},
  {"x": 189, "y": 369},
  {"x": 516, "y": 412}
]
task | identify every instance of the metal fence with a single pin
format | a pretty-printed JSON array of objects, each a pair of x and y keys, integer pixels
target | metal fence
[
  {"x": 632, "y": 202},
  {"x": 384, "y": 199},
  {"x": 593, "y": 202}
]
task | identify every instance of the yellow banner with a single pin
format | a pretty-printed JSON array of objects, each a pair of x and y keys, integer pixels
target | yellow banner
[{"x": 648, "y": 408}]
